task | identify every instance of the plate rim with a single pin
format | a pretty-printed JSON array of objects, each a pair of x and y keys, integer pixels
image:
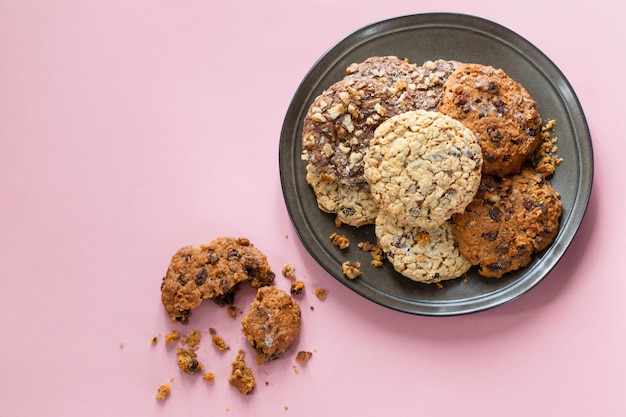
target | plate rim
[{"x": 516, "y": 288}]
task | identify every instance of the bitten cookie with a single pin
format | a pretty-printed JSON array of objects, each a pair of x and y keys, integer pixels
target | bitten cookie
[
  {"x": 272, "y": 324},
  {"x": 423, "y": 255},
  {"x": 353, "y": 204},
  {"x": 422, "y": 167},
  {"x": 211, "y": 271},
  {"x": 509, "y": 220},
  {"x": 499, "y": 111}
]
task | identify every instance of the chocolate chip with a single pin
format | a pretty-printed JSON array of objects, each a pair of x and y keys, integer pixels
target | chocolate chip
[
  {"x": 521, "y": 251},
  {"x": 490, "y": 236},
  {"x": 529, "y": 204},
  {"x": 495, "y": 213},
  {"x": 201, "y": 277},
  {"x": 348, "y": 211},
  {"x": 502, "y": 248},
  {"x": 193, "y": 366}
]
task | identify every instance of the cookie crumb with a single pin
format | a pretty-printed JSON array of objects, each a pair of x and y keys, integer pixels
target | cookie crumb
[
  {"x": 241, "y": 376},
  {"x": 296, "y": 370},
  {"x": 351, "y": 269},
  {"x": 340, "y": 241},
  {"x": 218, "y": 341},
  {"x": 296, "y": 288},
  {"x": 338, "y": 222},
  {"x": 375, "y": 252},
  {"x": 188, "y": 361},
  {"x": 289, "y": 271},
  {"x": 320, "y": 293},
  {"x": 231, "y": 310},
  {"x": 172, "y": 337},
  {"x": 154, "y": 340},
  {"x": 209, "y": 377},
  {"x": 192, "y": 339},
  {"x": 303, "y": 356},
  {"x": 122, "y": 345},
  {"x": 163, "y": 392}
]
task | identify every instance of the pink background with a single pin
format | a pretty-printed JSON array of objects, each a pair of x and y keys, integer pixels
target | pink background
[{"x": 130, "y": 128}]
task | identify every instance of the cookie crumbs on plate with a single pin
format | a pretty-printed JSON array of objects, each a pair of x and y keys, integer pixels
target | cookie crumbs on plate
[
  {"x": 296, "y": 288},
  {"x": 340, "y": 241},
  {"x": 351, "y": 269},
  {"x": 163, "y": 392},
  {"x": 241, "y": 376},
  {"x": 217, "y": 340},
  {"x": 545, "y": 159},
  {"x": 320, "y": 293},
  {"x": 375, "y": 251},
  {"x": 338, "y": 222},
  {"x": 303, "y": 356},
  {"x": 172, "y": 337}
]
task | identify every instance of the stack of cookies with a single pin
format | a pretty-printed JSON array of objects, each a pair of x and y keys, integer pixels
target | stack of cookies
[{"x": 436, "y": 157}]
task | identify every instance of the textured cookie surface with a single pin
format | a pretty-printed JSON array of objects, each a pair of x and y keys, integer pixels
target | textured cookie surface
[
  {"x": 352, "y": 203},
  {"x": 509, "y": 220},
  {"x": 423, "y": 255},
  {"x": 499, "y": 111},
  {"x": 428, "y": 82},
  {"x": 272, "y": 324},
  {"x": 423, "y": 167},
  {"x": 211, "y": 271}
]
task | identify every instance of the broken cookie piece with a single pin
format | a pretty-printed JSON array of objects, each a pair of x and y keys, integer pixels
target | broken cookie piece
[
  {"x": 272, "y": 324},
  {"x": 241, "y": 376}
]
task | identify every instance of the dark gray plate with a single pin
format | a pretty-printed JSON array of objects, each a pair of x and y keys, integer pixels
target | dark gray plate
[{"x": 420, "y": 38}]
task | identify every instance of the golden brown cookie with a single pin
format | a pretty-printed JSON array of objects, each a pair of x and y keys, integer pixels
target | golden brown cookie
[
  {"x": 211, "y": 271},
  {"x": 499, "y": 111},
  {"x": 509, "y": 219},
  {"x": 272, "y": 324}
]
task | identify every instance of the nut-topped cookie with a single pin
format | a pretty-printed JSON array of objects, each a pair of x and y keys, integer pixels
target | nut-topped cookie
[
  {"x": 211, "y": 271},
  {"x": 422, "y": 167},
  {"x": 422, "y": 255},
  {"x": 499, "y": 111},
  {"x": 510, "y": 219}
]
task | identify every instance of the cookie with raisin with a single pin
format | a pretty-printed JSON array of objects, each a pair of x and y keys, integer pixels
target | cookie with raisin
[
  {"x": 211, "y": 271},
  {"x": 510, "y": 219},
  {"x": 499, "y": 111},
  {"x": 422, "y": 167},
  {"x": 423, "y": 255}
]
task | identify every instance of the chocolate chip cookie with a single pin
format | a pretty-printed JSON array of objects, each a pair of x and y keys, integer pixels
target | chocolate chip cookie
[
  {"x": 422, "y": 167},
  {"x": 499, "y": 111},
  {"x": 272, "y": 324},
  {"x": 510, "y": 219},
  {"x": 423, "y": 255},
  {"x": 211, "y": 271}
]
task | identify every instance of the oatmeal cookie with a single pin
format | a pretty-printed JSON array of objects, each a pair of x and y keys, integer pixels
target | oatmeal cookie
[
  {"x": 423, "y": 167},
  {"x": 211, "y": 271},
  {"x": 272, "y": 324},
  {"x": 241, "y": 376},
  {"x": 422, "y": 255},
  {"x": 509, "y": 220},
  {"x": 499, "y": 111},
  {"x": 352, "y": 203}
]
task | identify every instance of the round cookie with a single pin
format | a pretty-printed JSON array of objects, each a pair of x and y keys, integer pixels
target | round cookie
[
  {"x": 340, "y": 123},
  {"x": 353, "y": 204},
  {"x": 509, "y": 219},
  {"x": 423, "y": 255},
  {"x": 422, "y": 167},
  {"x": 272, "y": 324},
  {"x": 499, "y": 111},
  {"x": 211, "y": 271}
]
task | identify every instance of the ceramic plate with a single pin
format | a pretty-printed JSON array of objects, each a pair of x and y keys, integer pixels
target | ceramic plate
[{"x": 428, "y": 37}]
